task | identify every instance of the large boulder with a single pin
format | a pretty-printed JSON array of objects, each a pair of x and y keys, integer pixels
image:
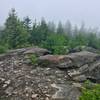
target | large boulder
[
  {"x": 24, "y": 52},
  {"x": 88, "y": 66},
  {"x": 84, "y": 57},
  {"x": 72, "y": 60},
  {"x": 83, "y": 48},
  {"x": 30, "y": 50},
  {"x": 94, "y": 72},
  {"x": 37, "y": 51},
  {"x": 79, "y": 66},
  {"x": 61, "y": 61}
]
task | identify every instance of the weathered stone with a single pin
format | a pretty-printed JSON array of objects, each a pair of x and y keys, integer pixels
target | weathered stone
[
  {"x": 60, "y": 61},
  {"x": 65, "y": 61},
  {"x": 94, "y": 71},
  {"x": 84, "y": 68},
  {"x": 59, "y": 80},
  {"x": 80, "y": 78},
  {"x": 73, "y": 73},
  {"x": 8, "y": 82},
  {"x": 78, "y": 85},
  {"x": 5, "y": 85},
  {"x": 34, "y": 96},
  {"x": 37, "y": 51},
  {"x": 83, "y": 48},
  {"x": 9, "y": 90},
  {"x": 65, "y": 92},
  {"x": 81, "y": 58},
  {"x": 2, "y": 79}
]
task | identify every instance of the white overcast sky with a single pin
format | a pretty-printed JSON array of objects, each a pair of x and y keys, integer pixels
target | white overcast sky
[{"x": 74, "y": 10}]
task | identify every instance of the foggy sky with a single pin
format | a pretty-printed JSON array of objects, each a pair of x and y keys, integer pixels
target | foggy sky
[{"x": 54, "y": 10}]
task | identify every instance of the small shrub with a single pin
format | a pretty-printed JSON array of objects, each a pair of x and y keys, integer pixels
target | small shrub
[
  {"x": 90, "y": 92},
  {"x": 33, "y": 59},
  {"x": 60, "y": 50},
  {"x": 2, "y": 49}
]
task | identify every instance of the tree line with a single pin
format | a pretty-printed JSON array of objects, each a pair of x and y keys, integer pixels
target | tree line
[{"x": 59, "y": 38}]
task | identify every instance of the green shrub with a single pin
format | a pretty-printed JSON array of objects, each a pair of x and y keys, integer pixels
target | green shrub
[
  {"x": 3, "y": 49},
  {"x": 90, "y": 92},
  {"x": 60, "y": 50},
  {"x": 56, "y": 43},
  {"x": 33, "y": 59}
]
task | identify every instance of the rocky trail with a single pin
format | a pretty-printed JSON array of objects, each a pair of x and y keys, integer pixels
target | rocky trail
[{"x": 54, "y": 77}]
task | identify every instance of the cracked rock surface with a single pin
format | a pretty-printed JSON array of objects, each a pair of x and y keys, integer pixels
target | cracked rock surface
[{"x": 58, "y": 79}]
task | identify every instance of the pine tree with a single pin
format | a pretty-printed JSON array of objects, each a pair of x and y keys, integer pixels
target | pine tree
[
  {"x": 43, "y": 29},
  {"x": 27, "y": 24},
  {"x": 60, "y": 29},
  {"x": 68, "y": 28},
  {"x": 15, "y": 33},
  {"x": 51, "y": 27}
]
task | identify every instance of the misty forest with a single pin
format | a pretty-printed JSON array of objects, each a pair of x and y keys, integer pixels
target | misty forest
[{"x": 59, "y": 39}]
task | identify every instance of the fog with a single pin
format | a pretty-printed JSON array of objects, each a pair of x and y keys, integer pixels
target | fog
[{"x": 76, "y": 11}]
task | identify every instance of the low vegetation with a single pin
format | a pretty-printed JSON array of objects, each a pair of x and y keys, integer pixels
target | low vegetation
[
  {"x": 33, "y": 59},
  {"x": 3, "y": 49},
  {"x": 90, "y": 92}
]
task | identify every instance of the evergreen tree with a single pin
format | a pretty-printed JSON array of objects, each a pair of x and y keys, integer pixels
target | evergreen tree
[
  {"x": 93, "y": 41},
  {"x": 82, "y": 28},
  {"x": 60, "y": 29},
  {"x": 39, "y": 32},
  {"x": 75, "y": 30},
  {"x": 15, "y": 33},
  {"x": 68, "y": 28},
  {"x": 51, "y": 27},
  {"x": 35, "y": 34},
  {"x": 43, "y": 28},
  {"x": 27, "y": 23}
]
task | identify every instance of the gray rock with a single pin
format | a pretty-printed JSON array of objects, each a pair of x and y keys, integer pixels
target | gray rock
[
  {"x": 81, "y": 58},
  {"x": 65, "y": 92},
  {"x": 9, "y": 90},
  {"x": 60, "y": 61},
  {"x": 54, "y": 77},
  {"x": 65, "y": 61},
  {"x": 83, "y": 48},
  {"x": 37, "y": 51},
  {"x": 94, "y": 71},
  {"x": 81, "y": 78}
]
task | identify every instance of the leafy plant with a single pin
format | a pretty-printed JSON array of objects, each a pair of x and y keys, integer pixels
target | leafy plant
[
  {"x": 56, "y": 43},
  {"x": 33, "y": 59},
  {"x": 60, "y": 50},
  {"x": 3, "y": 49},
  {"x": 90, "y": 92}
]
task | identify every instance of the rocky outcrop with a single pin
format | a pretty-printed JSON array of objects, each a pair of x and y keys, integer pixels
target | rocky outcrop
[
  {"x": 80, "y": 66},
  {"x": 83, "y": 48},
  {"x": 61, "y": 61},
  {"x": 54, "y": 77},
  {"x": 31, "y": 50}
]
